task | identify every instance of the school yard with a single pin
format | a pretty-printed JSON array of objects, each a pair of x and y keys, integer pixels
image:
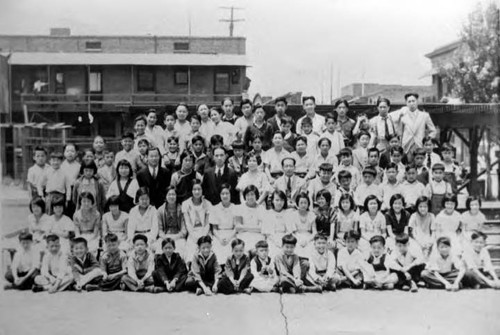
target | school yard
[{"x": 345, "y": 312}]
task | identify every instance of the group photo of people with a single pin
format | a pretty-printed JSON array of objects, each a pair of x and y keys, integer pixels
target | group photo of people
[{"x": 205, "y": 201}]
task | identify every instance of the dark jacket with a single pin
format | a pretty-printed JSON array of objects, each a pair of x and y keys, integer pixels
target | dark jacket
[
  {"x": 157, "y": 187},
  {"x": 170, "y": 270},
  {"x": 212, "y": 186}
]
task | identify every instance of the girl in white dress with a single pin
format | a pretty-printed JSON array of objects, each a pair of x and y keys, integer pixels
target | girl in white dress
[
  {"x": 304, "y": 221},
  {"x": 223, "y": 222},
  {"x": 115, "y": 221},
  {"x": 278, "y": 222},
  {"x": 249, "y": 226}
]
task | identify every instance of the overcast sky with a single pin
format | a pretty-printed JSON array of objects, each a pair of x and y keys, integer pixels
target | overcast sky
[{"x": 290, "y": 43}]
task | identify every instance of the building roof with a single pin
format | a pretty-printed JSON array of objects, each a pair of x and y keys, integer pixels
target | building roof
[
  {"x": 186, "y": 59},
  {"x": 444, "y": 49}
]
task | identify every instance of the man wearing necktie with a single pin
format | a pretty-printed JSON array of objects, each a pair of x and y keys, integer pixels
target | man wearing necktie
[
  {"x": 289, "y": 183},
  {"x": 213, "y": 179},
  {"x": 381, "y": 126},
  {"x": 154, "y": 177}
]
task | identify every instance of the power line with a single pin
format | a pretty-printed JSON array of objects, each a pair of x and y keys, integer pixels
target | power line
[{"x": 231, "y": 19}]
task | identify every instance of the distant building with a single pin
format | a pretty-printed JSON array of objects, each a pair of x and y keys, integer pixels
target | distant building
[
  {"x": 439, "y": 58},
  {"x": 369, "y": 92}
]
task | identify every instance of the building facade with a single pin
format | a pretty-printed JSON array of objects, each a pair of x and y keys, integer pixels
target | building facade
[{"x": 368, "y": 93}]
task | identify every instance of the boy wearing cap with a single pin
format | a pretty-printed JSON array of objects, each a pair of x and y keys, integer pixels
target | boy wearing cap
[{"x": 368, "y": 187}]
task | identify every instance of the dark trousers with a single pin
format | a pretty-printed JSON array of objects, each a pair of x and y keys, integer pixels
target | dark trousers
[
  {"x": 179, "y": 285},
  {"x": 415, "y": 273},
  {"x": 131, "y": 283},
  {"x": 226, "y": 286},
  {"x": 27, "y": 284},
  {"x": 432, "y": 282},
  {"x": 473, "y": 279},
  {"x": 111, "y": 284},
  {"x": 192, "y": 284}
]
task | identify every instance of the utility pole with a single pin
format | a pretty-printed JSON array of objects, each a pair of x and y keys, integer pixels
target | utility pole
[{"x": 231, "y": 19}]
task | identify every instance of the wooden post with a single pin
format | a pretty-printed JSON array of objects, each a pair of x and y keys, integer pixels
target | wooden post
[
  {"x": 473, "y": 151},
  {"x": 489, "y": 193}
]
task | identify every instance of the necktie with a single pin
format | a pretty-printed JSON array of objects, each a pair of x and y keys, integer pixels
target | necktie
[
  {"x": 154, "y": 173},
  {"x": 219, "y": 174},
  {"x": 387, "y": 129},
  {"x": 289, "y": 186},
  {"x": 429, "y": 160}
]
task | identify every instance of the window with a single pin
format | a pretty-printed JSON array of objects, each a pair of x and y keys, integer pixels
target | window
[
  {"x": 95, "y": 82},
  {"x": 145, "y": 80},
  {"x": 181, "y": 77},
  {"x": 221, "y": 83},
  {"x": 93, "y": 45},
  {"x": 181, "y": 46},
  {"x": 235, "y": 77}
]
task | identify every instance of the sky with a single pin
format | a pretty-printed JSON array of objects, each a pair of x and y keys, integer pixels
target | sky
[{"x": 292, "y": 45}]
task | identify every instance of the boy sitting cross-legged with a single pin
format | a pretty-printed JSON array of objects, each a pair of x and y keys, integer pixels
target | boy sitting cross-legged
[
  {"x": 140, "y": 267},
  {"x": 170, "y": 272},
  {"x": 378, "y": 275},
  {"x": 25, "y": 265},
  {"x": 84, "y": 267},
  {"x": 322, "y": 266},
  {"x": 408, "y": 263},
  {"x": 288, "y": 266},
  {"x": 55, "y": 275},
  {"x": 113, "y": 264}
]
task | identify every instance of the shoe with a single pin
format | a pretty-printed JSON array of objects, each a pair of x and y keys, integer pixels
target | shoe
[
  {"x": 313, "y": 289},
  {"x": 91, "y": 287},
  {"x": 150, "y": 289},
  {"x": 405, "y": 288},
  {"x": 292, "y": 290},
  {"x": 414, "y": 287},
  {"x": 275, "y": 290},
  {"x": 36, "y": 288},
  {"x": 248, "y": 290},
  {"x": 8, "y": 287},
  {"x": 389, "y": 287},
  {"x": 123, "y": 287},
  {"x": 421, "y": 284},
  {"x": 199, "y": 291}
]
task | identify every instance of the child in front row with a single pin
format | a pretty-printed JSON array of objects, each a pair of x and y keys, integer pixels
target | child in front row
[
  {"x": 55, "y": 275},
  {"x": 408, "y": 264},
  {"x": 288, "y": 266},
  {"x": 351, "y": 262},
  {"x": 140, "y": 267},
  {"x": 262, "y": 268},
  {"x": 170, "y": 272},
  {"x": 443, "y": 269},
  {"x": 113, "y": 264},
  {"x": 478, "y": 262},
  {"x": 205, "y": 269},
  {"x": 25, "y": 265},
  {"x": 378, "y": 275},
  {"x": 84, "y": 266},
  {"x": 237, "y": 275},
  {"x": 322, "y": 266}
]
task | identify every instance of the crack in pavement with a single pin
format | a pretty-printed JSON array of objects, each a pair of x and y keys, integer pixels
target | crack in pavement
[{"x": 282, "y": 311}]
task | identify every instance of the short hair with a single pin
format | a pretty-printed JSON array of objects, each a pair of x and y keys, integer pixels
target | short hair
[
  {"x": 445, "y": 240},
  {"x": 204, "y": 239},
  {"x": 344, "y": 174},
  {"x": 428, "y": 139},
  {"x": 140, "y": 237},
  {"x": 198, "y": 138},
  {"x": 216, "y": 140},
  {"x": 280, "y": 194},
  {"x": 326, "y": 167},
  {"x": 395, "y": 197},
  {"x": 226, "y": 99},
  {"x": 249, "y": 189},
  {"x": 114, "y": 200},
  {"x": 80, "y": 240},
  {"x": 411, "y": 94},
  {"x": 377, "y": 239},
  {"x": 380, "y": 100},
  {"x": 330, "y": 116},
  {"x": 259, "y": 107},
  {"x": 237, "y": 242},
  {"x": 128, "y": 135},
  {"x": 196, "y": 181},
  {"x": 450, "y": 197},
  {"x": 143, "y": 141},
  {"x": 471, "y": 199},
  {"x": 173, "y": 138},
  {"x": 140, "y": 192},
  {"x": 320, "y": 237},
  {"x": 166, "y": 241},
  {"x": 58, "y": 203},
  {"x": 86, "y": 195},
  {"x": 291, "y": 158},
  {"x": 111, "y": 237},
  {"x": 195, "y": 117},
  {"x": 261, "y": 244},
  {"x": 392, "y": 165},
  {"x": 325, "y": 194},
  {"x": 419, "y": 152},
  {"x": 323, "y": 139},
  {"x": 370, "y": 198},
  {"x": 25, "y": 236},
  {"x": 351, "y": 235},
  {"x": 438, "y": 167},
  {"x": 57, "y": 155},
  {"x": 302, "y": 195},
  {"x": 370, "y": 170},
  {"x": 478, "y": 234},
  {"x": 278, "y": 132},
  {"x": 307, "y": 121},
  {"x": 259, "y": 136},
  {"x": 88, "y": 165},
  {"x": 363, "y": 133},
  {"x": 397, "y": 148},
  {"x": 140, "y": 118},
  {"x": 151, "y": 110},
  {"x": 374, "y": 150},
  {"x": 347, "y": 196},
  {"x": 220, "y": 148},
  {"x": 281, "y": 99},
  {"x": 246, "y": 102},
  {"x": 286, "y": 120},
  {"x": 167, "y": 114},
  {"x": 151, "y": 149},
  {"x": 187, "y": 154},
  {"x": 51, "y": 238},
  {"x": 402, "y": 238},
  {"x": 289, "y": 239},
  {"x": 411, "y": 166},
  {"x": 340, "y": 102},
  {"x": 447, "y": 147},
  {"x": 423, "y": 199},
  {"x": 124, "y": 162},
  {"x": 225, "y": 186},
  {"x": 309, "y": 97},
  {"x": 238, "y": 145},
  {"x": 37, "y": 201},
  {"x": 345, "y": 152},
  {"x": 301, "y": 138},
  {"x": 40, "y": 148}
]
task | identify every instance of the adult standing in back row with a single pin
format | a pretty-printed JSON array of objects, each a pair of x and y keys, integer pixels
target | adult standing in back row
[
  {"x": 413, "y": 124},
  {"x": 318, "y": 121},
  {"x": 155, "y": 177}
]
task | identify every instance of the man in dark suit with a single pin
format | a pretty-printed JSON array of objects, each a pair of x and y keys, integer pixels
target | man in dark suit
[
  {"x": 280, "y": 105},
  {"x": 216, "y": 176},
  {"x": 155, "y": 177}
]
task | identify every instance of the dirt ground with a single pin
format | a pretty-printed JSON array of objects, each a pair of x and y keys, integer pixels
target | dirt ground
[{"x": 344, "y": 312}]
